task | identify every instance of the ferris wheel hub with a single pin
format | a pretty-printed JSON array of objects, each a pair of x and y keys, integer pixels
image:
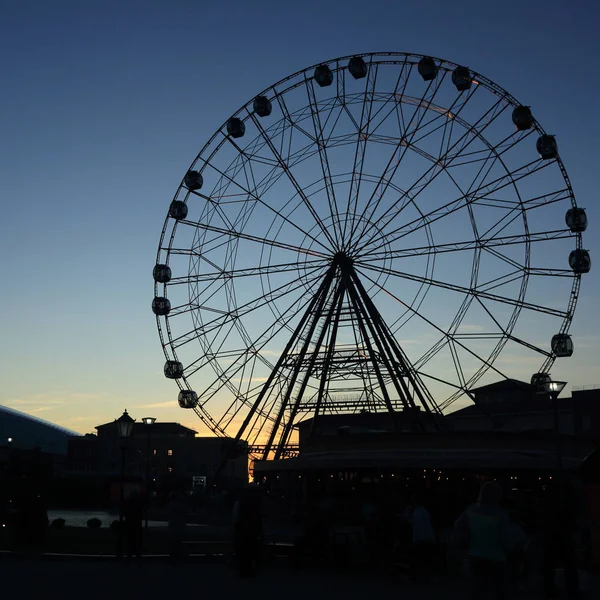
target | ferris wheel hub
[{"x": 342, "y": 260}]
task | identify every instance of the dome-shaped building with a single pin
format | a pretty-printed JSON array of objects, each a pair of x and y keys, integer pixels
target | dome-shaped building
[{"x": 24, "y": 432}]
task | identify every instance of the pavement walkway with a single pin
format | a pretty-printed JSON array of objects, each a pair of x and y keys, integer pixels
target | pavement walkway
[{"x": 75, "y": 579}]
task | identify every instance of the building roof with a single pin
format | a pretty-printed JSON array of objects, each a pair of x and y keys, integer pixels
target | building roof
[
  {"x": 532, "y": 405},
  {"x": 158, "y": 428},
  {"x": 504, "y": 385},
  {"x": 28, "y": 432}
]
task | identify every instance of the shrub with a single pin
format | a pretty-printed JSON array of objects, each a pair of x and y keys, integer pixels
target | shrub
[
  {"x": 94, "y": 523},
  {"x": 58, "y": 523}
]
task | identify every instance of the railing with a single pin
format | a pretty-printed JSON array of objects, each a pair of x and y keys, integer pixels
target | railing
[{"x": 581, "y": 388}]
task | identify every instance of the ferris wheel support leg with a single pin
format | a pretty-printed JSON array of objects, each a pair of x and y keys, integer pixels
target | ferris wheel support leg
[
  {"x": 307, "y": 313},
  {"x": 398, "y": 368},
  {"x": 292, "y": 382},
  {"x": 409, "y": 372},
  {"x": 338, "y": 294},
  {"x": 360, "y": 317},
  {"x": 328, "y": 360}
]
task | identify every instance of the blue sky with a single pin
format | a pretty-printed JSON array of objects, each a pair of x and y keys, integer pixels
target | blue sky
[{"x": 104, "y": 106}]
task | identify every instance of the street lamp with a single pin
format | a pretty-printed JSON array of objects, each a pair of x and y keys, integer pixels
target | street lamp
[
  {"x": 148, "y": 421},
  {"x": 124, "y": 429},
  {"x": 553, "y": 388}
]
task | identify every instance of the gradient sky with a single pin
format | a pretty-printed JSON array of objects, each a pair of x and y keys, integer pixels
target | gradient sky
[{"x": 104, "y": 104}]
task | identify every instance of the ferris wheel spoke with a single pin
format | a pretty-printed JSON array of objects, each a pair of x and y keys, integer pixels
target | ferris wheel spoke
[
  {"x": 361, "y": 144},
  {"x": 369, "y": 129},
  {"x": 225, "y": 317},
  {"x": 232, "y": 233},
  {"x": 463, "y": 246},
  {"x": 438, "y": 164},
  {"x": 445, "y": 334},
  {"x": 459, "y": 203},
  {"x": 461, "y": 290},
  {"x": 395, "y": 159},
  {"x": 289, "y": 117},
  {"x": 268, "y": 206},
  {"x": 503, "y": 280},
  {"x": 508, "y": 335},
  {"x": 242, "y": 357},
  {"x": 436, "y": 169},
  {"x": 285, "y": 166},
  {"x": 248, "y": 272},
  {"x": 324, "y": 159},
  {"x": 442, "y": 164}
]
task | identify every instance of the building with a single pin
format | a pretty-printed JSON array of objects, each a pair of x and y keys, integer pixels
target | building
[
  {"x": 161, "y": 455},
  {"x": 508, "y": 432},
  {"x": 23, "y": 432},
  {"x": 512, "y": 405}
]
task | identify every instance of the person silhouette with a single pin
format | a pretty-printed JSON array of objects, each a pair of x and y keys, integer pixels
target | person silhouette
[
  {"x": 486, "y": 527},
  {"x": 247, "y": 531},
  {"x": 133, "y": 513},
  {"x": 559, "y": 514}
]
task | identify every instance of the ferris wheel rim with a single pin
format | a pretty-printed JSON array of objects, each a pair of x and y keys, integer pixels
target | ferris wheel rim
[{"x": 491, "y": 86}]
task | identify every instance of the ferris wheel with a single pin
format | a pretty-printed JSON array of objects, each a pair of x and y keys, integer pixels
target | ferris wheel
[{"x": 379, "y": 232}]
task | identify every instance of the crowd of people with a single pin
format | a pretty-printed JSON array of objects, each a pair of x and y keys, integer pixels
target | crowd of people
[
  {"x": 505, "y": 541},
  {"x": 508, "y": 545}
]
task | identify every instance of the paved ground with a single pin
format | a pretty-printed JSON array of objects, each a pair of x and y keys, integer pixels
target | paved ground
[
  {"x": 24, "y": 580},
  {"x": 66, "y": 580}
]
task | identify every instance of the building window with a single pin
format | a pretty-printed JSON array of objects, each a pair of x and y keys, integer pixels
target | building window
[
  {"x": 169, "y": 452},
  {"x": 154, "y": 452}
]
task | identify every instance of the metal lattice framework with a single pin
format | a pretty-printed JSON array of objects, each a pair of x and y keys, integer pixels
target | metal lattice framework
[{"x": 374, "y": 238}]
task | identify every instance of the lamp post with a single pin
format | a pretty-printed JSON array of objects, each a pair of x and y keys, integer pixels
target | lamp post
[
  {"x": 148, "y": 421},
  {"x": 124, "y": 430},
  {"x": 553, "y": 389}
]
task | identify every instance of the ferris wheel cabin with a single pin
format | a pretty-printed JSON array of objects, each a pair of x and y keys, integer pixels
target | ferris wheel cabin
[
  {"x": 187, "y": 399},
  {"x": 461, "y": 78},
  {"x": 161, "y": 273},
  {"x": 576, "y": 220},
  {"x": 580, "y": 261},
  {"x": 540, "y": 380},
  {"x": 427, "y": 68},
  {"x": 522, "y": 118},
  {"x": 236, "y": 127},
  {"x": 193, "y": 180},
  {"x": 178, "y": 210},
  {"x": 262, "y": 106},
  {"x": 323, "y": 75},
  {"x": 357, "y": 67},
  {"x": 562, "y": 345},
  {"x": 161, "y": 306},
  {"x": 547, "y": 147},
  {"x": 173, "y": 369}
]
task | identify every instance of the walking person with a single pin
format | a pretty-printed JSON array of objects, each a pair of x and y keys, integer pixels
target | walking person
[
  {"x": 133, "y": 513},
  {"x": 559, "y": 514},
  {"x": 485, "y": 527},
  {"x": 517, "y": 552},
  {"x": 178, "y": 511},
  {"x": 424, "y": 544},
  {"x": 247, "y": 531}
]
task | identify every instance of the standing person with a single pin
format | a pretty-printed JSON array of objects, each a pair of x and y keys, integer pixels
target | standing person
[
  {"x": 247, "y": 531},
  {"x": 559, "y": 515},
  {"x": 177, "y": 522},
  {"x": 518, "y": 550},
  {"x": 486, "y": 527},
  {"x": 133, "y": 512},
  {"x": 423, "y": 538}
]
